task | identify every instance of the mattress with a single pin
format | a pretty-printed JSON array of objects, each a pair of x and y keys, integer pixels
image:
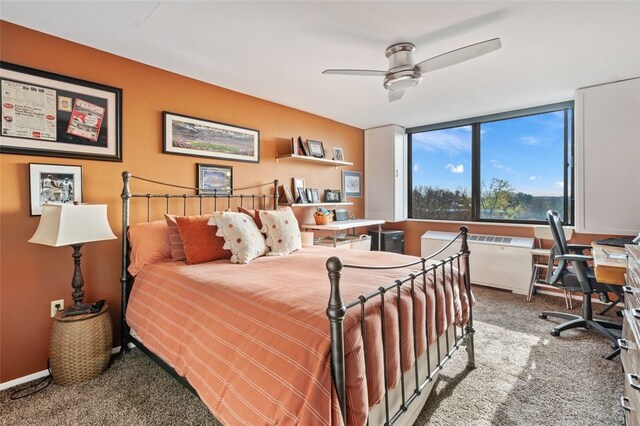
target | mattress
[{"x": 253, "y": 340}]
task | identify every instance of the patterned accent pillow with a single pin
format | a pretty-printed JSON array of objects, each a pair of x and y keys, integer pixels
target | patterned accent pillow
[
  {"x": 241, "y": 236},
  {"x": 281, "y": 228},
  {"x": 255, "y": 215},
  {"x": 175, "y": 242},
  {"x": 199, "y": 240}
]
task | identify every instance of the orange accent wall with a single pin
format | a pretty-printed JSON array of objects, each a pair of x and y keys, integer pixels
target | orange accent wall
[{"x": 31, "y": 275}]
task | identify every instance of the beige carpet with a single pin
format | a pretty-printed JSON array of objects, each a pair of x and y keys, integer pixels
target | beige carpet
[{"x": 524, "y": 377}]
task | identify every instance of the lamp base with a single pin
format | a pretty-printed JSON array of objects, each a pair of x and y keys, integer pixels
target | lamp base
[{"x": 77, "y": 309}]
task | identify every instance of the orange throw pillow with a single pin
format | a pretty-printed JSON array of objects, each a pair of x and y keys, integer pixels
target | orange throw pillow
[
  {"x": 199, "y": 239},
  {"x": 255, "y": 215}
]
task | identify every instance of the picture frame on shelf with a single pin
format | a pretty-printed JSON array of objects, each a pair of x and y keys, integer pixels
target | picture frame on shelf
[
  {"x": 53, "y": 184},
  {"x": 316, "y": 149},
  {"x": 338, "y": 154},
  {"x": 297, "y": 187},
  {"x": 303, "y": 149},
  {"x": 315, "y": 196},
  {"x": 351, "y": 183},
  {"x": 213, "y": 178},
  {"x": 58, "y": 116},
  {"x": 332, "y": 196},
  {"x": 198, "y": 137},
  {"x": 285, "y": 195},
  {"x": 309, "y": 194},
  {"x": 302, "y": 196}
]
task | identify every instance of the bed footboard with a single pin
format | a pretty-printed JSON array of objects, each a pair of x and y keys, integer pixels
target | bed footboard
[{"x": 337, "y": 310}]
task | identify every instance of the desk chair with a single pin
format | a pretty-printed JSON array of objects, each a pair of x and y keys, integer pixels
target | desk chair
[
  {"x": 540, "y": 261},
  {"x": 577, "y": 277}
]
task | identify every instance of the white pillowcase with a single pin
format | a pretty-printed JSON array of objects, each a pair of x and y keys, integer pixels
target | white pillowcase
[
  {"x": 241, "y": 236},
  {"x": 281, "y": 228}
]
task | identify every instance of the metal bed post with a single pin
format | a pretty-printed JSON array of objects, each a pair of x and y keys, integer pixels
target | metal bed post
[
  {"x": 464, "y": 248},
  {"x": 126, "y": 196},
  {"x": 336, "y": 312},
  {"x": 275, "y": 194}
]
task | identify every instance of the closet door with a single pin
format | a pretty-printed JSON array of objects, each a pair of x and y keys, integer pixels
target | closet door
[
  {"x": 385, "y": 173},
  {"x": 607, "y": 137}
]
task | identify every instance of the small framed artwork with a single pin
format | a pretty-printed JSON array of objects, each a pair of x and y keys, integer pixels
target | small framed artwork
[
  {"x": 338, "y": 154},
  {"x": 332, "y": 196},
  {"x": 315, "y": 148},
  {"x": 58, "y": 116},
  {"x": 297, "y": 186},
  {"x": 285, "y": 195},
  {"x": 301, "y": 196},
  {"x": 315, "y": 196},
  {"x": 214, "y": 179},
  {"x": 351, "y": 183},
  {"x": 53, "y": 184},
  {"x": 198, "y": 137}
]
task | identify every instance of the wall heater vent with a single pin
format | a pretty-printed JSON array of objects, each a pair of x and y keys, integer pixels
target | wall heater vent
[{"x": 496, "y": 261}]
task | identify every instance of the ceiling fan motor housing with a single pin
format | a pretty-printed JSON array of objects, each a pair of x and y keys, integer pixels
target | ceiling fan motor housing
[{"x": 403, "y": 73}]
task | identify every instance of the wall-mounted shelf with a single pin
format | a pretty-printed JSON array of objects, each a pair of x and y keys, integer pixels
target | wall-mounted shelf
[
  {"x": 324, "y": 161},
  {"x": 346, "y": 203}
]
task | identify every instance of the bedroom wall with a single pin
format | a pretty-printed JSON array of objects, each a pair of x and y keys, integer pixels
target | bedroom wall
[{"x": 31, "y": 275}]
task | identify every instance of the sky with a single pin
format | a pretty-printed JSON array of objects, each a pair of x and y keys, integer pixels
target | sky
[{"x": 526, "y": 151}]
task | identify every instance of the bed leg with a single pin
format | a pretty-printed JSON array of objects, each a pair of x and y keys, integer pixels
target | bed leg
[
  {"x": 336, "y": 312},
  {"x": 469, "y": 344}
]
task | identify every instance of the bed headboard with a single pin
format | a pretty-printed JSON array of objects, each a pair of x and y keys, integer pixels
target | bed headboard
[{"x": 202, "y": 198}]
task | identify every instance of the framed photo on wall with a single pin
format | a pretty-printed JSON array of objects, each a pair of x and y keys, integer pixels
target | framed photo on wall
[
  {"x": 53, "y": 184},
  {"x": 198, "y": 137},
  {"x": 214, "y": 179},
  {"x": 57, "y": 116},
  {"x": 351, "y": 183},
  {"x": 315, "y": 148}
]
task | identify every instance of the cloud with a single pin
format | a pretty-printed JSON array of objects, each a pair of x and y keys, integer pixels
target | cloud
[
  {"x": 530, "y": 140},
  {"x": 498, "y": 165},
  {"x": 455, "y": 169},
  {"x": 533, "y": 177},
  {"x": 416, "y": 167},
  {"x": 558, "y": 184},
  {"x": 449, "y": 141}
]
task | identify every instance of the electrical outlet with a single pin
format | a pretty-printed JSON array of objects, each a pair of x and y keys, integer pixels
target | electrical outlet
[{"x": 56, "y": 305}]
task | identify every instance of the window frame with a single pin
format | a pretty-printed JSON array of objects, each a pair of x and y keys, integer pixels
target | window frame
[{"x": 475, "y": 122}]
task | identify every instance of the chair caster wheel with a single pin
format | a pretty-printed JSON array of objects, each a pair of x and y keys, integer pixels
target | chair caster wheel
[
  {"x": 542, "y": 316},
  {"x": 555, "y": 333}
]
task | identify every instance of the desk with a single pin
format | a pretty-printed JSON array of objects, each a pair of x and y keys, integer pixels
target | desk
[
  {"x": 610, "y": 271},
  {"x": 343, "y": 225}
]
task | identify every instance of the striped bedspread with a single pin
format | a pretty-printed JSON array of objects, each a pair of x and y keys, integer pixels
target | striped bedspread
[{"x": 253, "y": 340}]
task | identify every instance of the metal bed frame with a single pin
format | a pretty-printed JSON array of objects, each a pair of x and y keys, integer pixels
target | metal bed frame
[{"x": 337, "y": 308}]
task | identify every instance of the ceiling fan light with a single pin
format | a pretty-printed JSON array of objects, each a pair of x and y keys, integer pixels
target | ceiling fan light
[{"x": 402, "y": 80}]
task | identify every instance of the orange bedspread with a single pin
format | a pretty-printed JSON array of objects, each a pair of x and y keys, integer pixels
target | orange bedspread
[{"x": 253, "y": 339}]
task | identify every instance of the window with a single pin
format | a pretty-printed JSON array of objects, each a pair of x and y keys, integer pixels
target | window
[{"x": 505, "y": 167}]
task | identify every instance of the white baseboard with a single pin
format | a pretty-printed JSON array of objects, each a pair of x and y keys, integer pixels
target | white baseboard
[{"x": 40, "y": 374}]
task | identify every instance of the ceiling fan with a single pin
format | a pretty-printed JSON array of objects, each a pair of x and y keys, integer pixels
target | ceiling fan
[{"x": 403, "y": 73}]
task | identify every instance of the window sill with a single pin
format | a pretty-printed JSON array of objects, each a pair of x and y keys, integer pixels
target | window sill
[{"x": 482, "y": 223}]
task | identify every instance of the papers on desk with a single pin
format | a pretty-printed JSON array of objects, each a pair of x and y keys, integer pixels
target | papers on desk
[{"x": 618, "y": 256}]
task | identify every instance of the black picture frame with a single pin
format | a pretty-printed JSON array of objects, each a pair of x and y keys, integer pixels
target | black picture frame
[
  {"x": 54, "y": 115},
  {"x": 199, "y": 137},
  {"x": 332, "y": 195},
  {"x": 316, "y": 149},
  {"x": 49, "y": 184},
  {"x": 213, "y": 178},
  {"x": 302, "y": 197}
]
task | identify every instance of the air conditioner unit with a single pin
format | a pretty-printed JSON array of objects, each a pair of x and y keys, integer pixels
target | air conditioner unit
[{"x": 495, "y": 261}]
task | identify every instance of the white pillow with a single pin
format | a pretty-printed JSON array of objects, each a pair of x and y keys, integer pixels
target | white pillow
[
  {"x": 241, "y": 236},
  {"x": 281, "y": 228}
]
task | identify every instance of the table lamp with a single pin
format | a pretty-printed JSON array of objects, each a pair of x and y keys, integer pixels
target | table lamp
[{"x": 73, "y": 225}]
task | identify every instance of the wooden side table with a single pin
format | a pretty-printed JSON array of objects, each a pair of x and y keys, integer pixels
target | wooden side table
[{"x": 80, "y": 346}]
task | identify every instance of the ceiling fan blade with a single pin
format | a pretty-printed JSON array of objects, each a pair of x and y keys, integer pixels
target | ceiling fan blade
[
  {"x": 395, "y": 95},
  {"x": 374, "y": 73},
  {"x": 459, "y": 55}
]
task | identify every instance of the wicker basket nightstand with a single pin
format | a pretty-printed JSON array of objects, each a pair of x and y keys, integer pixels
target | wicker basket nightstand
[{"x": 80, "y": 347}]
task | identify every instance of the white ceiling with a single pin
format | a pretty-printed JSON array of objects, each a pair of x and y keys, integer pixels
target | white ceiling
[{"x": 277, "y": 50}]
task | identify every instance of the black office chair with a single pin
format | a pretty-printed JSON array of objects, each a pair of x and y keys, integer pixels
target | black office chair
[{"x": 577, "y": 277}]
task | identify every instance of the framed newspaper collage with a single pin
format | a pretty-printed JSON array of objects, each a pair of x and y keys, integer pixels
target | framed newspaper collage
[{"x": 53, "y": 115}]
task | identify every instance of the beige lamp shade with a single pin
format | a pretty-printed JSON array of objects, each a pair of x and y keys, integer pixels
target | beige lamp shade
[{"x": 69, "y": 224}]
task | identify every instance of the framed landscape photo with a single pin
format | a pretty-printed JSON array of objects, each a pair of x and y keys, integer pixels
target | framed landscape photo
[
  {"x": 57, "y": 116},
  {"x": 53, "y": 184},
  {"x": 315, "y": 148},
  {"x": 204, "y": 138},
  {"x": 351, "y": 183},
  {"x": 214, "y": 179}
]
